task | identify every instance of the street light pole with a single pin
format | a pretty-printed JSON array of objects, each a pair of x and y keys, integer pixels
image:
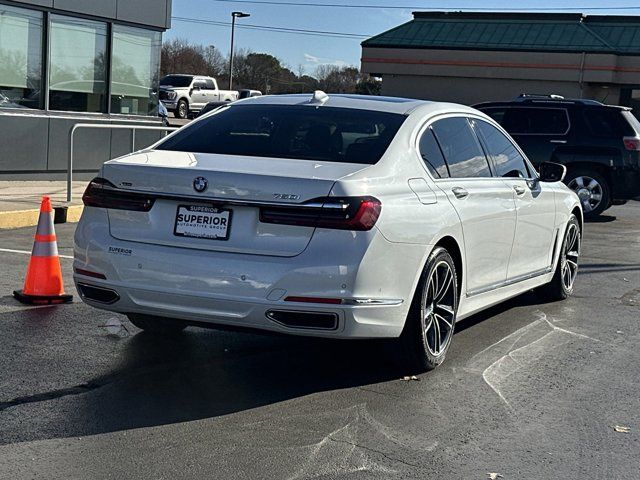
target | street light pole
[{"x": 234, "y": 15}]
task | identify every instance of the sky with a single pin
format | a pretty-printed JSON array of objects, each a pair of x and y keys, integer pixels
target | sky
[{"x": 304, "y": 53}]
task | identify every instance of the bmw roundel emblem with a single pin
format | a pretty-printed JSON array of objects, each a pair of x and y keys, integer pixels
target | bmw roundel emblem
[{"x": 200, "y": 184}]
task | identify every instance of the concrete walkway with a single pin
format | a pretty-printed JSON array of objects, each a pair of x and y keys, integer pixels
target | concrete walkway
[{"x": 20, "y": 201}]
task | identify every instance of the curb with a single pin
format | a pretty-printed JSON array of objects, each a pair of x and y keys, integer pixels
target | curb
[{"x": 29, "y": 218}]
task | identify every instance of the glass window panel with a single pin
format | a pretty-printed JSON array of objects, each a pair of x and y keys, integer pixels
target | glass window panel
[
  {"x": 20, "y": 57},
  {"x": 134, "y": 70},
  {"x": 77, "y": 57},
  {"x": 535, "y": 121},
  {"x": 606, "y": 122},
  {"x": 507, "y": 160},
  {"x": 496, "y": 113},
  {"x": 291, "y": 131},
  {"x": 461, "y": 149},
  {"x": 432, "y": 155}
]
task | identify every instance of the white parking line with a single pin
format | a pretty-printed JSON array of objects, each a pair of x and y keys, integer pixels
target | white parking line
[{"x": 26, "y": 252}]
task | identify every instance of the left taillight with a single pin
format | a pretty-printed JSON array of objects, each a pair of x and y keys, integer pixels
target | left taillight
[
  {"x": 339, "y": 213},
  {"x": 104, "y": 194}
]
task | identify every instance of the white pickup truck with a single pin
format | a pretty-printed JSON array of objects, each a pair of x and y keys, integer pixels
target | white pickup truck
[{"x": 186, "y": 94}]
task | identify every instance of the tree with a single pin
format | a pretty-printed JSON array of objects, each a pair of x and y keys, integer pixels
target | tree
[
  {"x": 262, "y": 71},
  {"x": 256, "y": 70},
  {"x": 336, "y": 79},
  {"x": 369, "y": 85},
  {"x": 180, "y": 56}
]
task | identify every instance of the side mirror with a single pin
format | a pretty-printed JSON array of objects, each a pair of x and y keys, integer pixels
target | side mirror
[{"x": 552, "y": 172}]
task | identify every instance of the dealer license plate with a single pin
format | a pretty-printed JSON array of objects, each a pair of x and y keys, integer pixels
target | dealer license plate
[{"x": 202, "y": 222}]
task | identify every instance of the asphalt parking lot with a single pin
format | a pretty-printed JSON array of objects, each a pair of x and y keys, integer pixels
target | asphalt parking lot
[{"x": 530, "y": 390}]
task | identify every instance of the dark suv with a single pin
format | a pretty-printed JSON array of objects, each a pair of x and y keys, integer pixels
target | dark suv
[{"x": 599, "y": 144}]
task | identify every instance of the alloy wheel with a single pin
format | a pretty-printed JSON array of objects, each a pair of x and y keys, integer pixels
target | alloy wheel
[
  {"x": 182, "y": 110},
  {"x": 588, "y": 190},
  {"x": 570, "y": 256},
  {"x": 438, "y": 308}
]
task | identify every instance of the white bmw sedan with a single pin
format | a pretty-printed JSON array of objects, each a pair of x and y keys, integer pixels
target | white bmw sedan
[{"x": 337, "y": 216}]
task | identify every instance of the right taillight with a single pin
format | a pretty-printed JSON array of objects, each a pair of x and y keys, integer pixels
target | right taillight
[
  {"x": 632, "y": 143},
  {"x": 341, "y": 213},
  {"x": 104, "y": 194}
]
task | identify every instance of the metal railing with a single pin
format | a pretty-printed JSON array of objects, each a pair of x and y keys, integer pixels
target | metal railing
[{"x": 96, "y": 126}]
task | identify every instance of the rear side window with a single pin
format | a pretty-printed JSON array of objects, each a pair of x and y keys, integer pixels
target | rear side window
[
  {"x": 461, "y": 149},
  {"x": 603, "y": 122},
  {"x": 508, "y": 162},
  {"x": 303, "y": 132},
  {"x": 535, "y": 121},
  {"x": 496, "y": 113},
  {"x": 432, "y": 155}
]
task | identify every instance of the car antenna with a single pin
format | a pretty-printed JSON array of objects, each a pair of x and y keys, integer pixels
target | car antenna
[{"x": 319, "y": 98}]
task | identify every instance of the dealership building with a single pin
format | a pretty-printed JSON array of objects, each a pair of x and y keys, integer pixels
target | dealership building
[
  {"x": 64, "y": 62},
  {"x": 474, "y": 57}
]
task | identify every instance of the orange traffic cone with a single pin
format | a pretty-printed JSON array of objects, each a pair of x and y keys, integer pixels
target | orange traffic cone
[{"x": 43, "y": 284}]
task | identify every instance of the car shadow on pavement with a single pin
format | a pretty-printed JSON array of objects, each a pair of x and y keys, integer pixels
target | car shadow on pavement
[
  {"x": 194, "y": 376},
  {"x": 590, "y": 268},
  {"x": 203, "y": 374},
  {"x": 601, "y": 219}
]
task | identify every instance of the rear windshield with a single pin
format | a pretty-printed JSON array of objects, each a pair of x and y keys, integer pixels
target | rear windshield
[
  {"x": 176, "y": 81},
  {"x": 302, "y": 132}
]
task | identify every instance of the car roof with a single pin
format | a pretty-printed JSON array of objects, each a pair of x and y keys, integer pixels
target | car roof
[{"x": 403, "y": 106}]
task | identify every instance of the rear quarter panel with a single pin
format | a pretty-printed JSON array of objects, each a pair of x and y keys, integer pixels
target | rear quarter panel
[{"x": 413, "y": 218}]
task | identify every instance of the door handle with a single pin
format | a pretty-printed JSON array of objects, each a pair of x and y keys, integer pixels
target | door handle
[
  {"x": 459, "y": 192},
  {"x": 558, "y": 141},
  {"x": 519, "y": 190}
]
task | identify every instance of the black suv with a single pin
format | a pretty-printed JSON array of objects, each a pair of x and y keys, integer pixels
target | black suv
[{"x": 599, "y": 144}]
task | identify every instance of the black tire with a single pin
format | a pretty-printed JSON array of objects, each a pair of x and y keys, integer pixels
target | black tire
[
  {"x": 182, "y": 110},
  {"x": 577, "y": 179},
  {"x": 557, "y": 288},
  {"x": 413, "y": 348},
  {"x": 160, "y": 325}
]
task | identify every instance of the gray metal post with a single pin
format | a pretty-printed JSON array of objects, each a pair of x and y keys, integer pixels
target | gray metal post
[
  {"x": 234, "y": 15},
  {"x": 233, "y": 28},
  {"x": 98, "y": 126},
  {"x": 70, "y": 165}
]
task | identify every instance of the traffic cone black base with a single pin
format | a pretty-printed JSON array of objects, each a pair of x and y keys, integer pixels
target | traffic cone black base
[{"x": 42, "y": 299}]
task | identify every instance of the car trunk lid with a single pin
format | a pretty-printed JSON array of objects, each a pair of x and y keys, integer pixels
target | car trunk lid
[{"x": 236, "y": 188}]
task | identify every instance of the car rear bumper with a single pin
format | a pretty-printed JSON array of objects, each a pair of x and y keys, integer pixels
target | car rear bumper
[
  {"x": 373, "y": 277},
  {"x": 363, "y": 321}
]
